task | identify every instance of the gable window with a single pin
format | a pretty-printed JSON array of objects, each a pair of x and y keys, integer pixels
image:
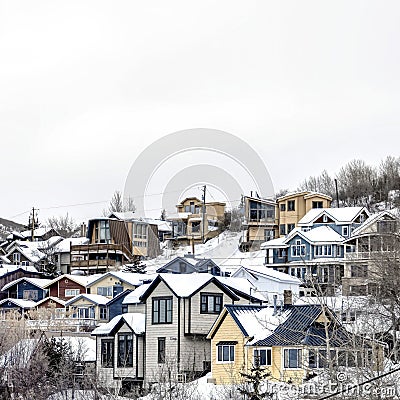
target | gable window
[
  {"x": 72, "y": 292},
  {"x": 226, "y": 352},
  {"x": 317, "y": 204},
  {"x": 162, "y": 310},
  {"x": 161, "y": 350},
  {"x": 298, "y": 249},
  {"x": 291, "y": 205},
  {"x": 125, "y": 350},
  {"x": 30, "y": 295},
  {"x": 105, "y": 291},
  {"x": 263, "y": 357},
  {"x": 292, "y": 358},
  {"x": 107, "y": 353},
  {"x": 25, "y": 263},
  {"x": 345, "y": 231},
  {"x": 16, "y": 258},
  {"x": 324, "y": 218},
  {"x": 211, "y": 303},
  {"x": 103, "y": 312}
]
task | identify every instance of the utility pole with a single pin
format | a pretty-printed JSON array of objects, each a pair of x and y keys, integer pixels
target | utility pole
[
  {"x": 204, "y": 213},
  {"x": 33, "y": 223}
]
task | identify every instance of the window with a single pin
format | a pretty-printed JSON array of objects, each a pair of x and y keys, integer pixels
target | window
[
  {"x": 281, "y": 253},
  {"x": 298, "y": 249},
  {"x": 107, "y": 353},
  {"x": 211, "y": 303},
  {"x": 345, "y": 231},
  {"x": 226, "y": 352},
  {"x": 282, "y": 229},
  {"x": 30, "y": 295},
  {"x": 196, "y": 226},
  {"x": 125, "y": 350},
  {"x": 140, "y": 231},
  {"x": 103, "y": 312},
  {"x": 290, "y": 205},
  {"x": 105, "y": 291},
  {"x": 359, "y": 271},
  {"x": 292, "y": 358},
  {"x": 86, "y": 312},
  {"x": 124, "y": 309},
  {"x": 317, "y": 204},
  {"x": 283, "y": 207},
  {"x": 161, "y": 350},
  {"x": 72, "y": 292},
  {"x": 25, "y": 263},
  {"x": 162, "y": 310},
  {"x": 263, "y": 357},
  {"x": 324, "y": 218},
  {"x": 16, "y": 258},
  {"x": 290, "y": 227},
  {"x": 102, "y": 232}
]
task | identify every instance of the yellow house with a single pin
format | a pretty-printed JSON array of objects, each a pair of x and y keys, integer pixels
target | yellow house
[
  {"x": 293, "y": 206},
  {"x": 288, "y": 341},
  {"x": 192, "y": 223},
  {"x": 112, "y": 283}
]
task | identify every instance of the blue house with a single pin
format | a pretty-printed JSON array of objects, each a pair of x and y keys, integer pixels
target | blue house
[
  {"x": 20, "y": 306},
  {"x": 27, "y": 289},
  {"x": 116, "y": 307},
  {"x": 188, "y": 265}
]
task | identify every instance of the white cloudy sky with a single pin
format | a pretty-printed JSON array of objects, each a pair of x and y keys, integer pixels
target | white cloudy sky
[{"x": 85, "y": 86}]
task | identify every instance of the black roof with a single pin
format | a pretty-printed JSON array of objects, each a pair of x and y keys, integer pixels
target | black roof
[{"x": 300, "y": 328}]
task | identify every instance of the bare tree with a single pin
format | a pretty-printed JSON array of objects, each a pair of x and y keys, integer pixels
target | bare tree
[
  {"x": 64, "y": 225},
  {"x": 119, "y": 204}
]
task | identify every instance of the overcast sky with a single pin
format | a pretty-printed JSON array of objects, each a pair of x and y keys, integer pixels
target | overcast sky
[{"x": 86, "y": 86}]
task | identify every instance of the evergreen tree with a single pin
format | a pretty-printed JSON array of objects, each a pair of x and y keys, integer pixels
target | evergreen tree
[
  {"x": 253, "y": 381},
  {"x": 137, "y": 266}
]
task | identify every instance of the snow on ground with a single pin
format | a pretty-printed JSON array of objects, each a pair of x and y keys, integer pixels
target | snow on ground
[{"x": 223, "y": 250}]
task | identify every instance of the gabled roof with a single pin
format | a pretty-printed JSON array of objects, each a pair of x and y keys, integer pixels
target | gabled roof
[
  {"x": 38, "y": 282},
  {"x": 82, "y": 280},
  {"x": 268, "y": 273},
  {"x": 305, "y": 194},
  {"x": 119, "y": 295},
  {"x": 186, "y": 285},
  {"x": 93, "y": 298},
  {"x": 20, "y": 303},
  {"x": 299, "y": 327},
  {"x": 30, "y": 250},
  {"x": 373, "y": 219},
  {"x": 320, "y": 234},
  {"x": 131, "y": 278},
  {"x": 344, "y": 215},
  {"x": 135, "y": 321},
  {"x": 274, "y": 243},
  {"x": 243, "y": 315},
  {"x": 242, "y": 287},
  {"x": 50, "y": 298},
  {"x": 11, "y": 269},
  {"x": 134, "y": 296}
]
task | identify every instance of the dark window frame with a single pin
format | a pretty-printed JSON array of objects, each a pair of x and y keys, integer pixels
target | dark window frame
[
  {"x": 125, "y": 350},
  {"x": 107, "y": 353},
  {"x": 161, "y": 315},
  {"x": 216, "y": 303},
  {"x": 291, "y": 205},
  {"x": 161, "y": 350}
]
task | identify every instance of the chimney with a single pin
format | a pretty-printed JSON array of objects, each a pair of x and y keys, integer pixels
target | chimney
[
  {"x": 83, "y": 229},
  {"x": 287, "y": 297},
  {"x": 275, "y": 304}
]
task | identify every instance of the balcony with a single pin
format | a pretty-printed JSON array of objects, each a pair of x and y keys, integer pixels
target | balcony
[{"x": 371, "y": 255}]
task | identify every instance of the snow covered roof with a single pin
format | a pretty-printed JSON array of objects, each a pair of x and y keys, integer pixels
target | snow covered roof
[
  {"x": 179, "y": 215},
  {"x": 52, "y": 298},
  {"x": 93, "y": 298},
  {"x": 274, "y": 243},
  {"x": 131, "y": 278},
  {"x": 306, "y": 194},
  {"x": 125, "y": 215},
  {"x": 135, "y": 321},
  {"x": 65, "y": 244},
  {"x": 372, "y": 219},
  {"x": 269, "y": 273},
  {"x": 30, "y": 250},
  {"x": 163, "y": 226},
  {"x": 323, "y": 234},
  {"x": 4, "y": 260},
  {"x": 339, "y": 215},
  {"x": 82, "y": 280},
  {"x": 20, "y": 303},
  {"x": 6, "y": 269},
  {"x": 41, "y": 283},
  {"x": 134, "y": 296},
  {"x": 241, "y": 285}
]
